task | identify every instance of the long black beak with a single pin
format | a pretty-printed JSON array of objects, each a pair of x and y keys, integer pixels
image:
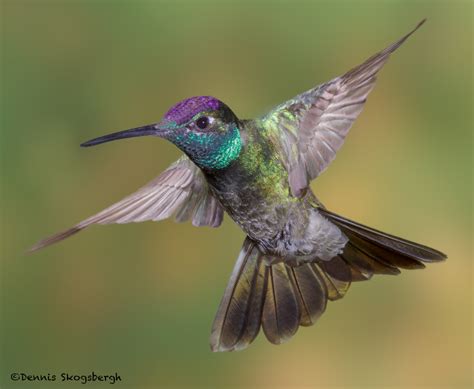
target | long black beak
[{"x": 153, "y": 129}]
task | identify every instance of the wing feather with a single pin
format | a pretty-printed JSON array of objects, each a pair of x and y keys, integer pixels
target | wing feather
[
  {"x": 317, "y": 121},
  {"x": 181, "y": 189}
]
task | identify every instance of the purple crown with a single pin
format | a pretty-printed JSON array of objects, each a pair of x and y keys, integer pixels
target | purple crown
[{"x": 186, "y": 109}]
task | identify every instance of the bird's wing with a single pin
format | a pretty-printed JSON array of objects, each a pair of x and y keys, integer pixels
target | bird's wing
[
  {"x": 181, "y": 190},
  {"x": 311, "y": 127}
]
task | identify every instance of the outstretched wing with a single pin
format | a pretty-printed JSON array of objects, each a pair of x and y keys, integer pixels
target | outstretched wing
[
  {"x": 312, "y": 126},
  {"x": 181, "y": 190}
]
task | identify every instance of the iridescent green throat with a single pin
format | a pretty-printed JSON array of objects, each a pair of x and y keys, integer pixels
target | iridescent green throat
[
  {"x": 211, "y": 150},
  {"x": 223, "y": 150}
]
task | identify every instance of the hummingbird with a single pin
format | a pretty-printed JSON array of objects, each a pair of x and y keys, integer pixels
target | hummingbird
[{"x": 297, "y": 254}]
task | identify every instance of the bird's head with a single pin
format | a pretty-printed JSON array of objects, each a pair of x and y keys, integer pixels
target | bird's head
[{"x": 202, "y": 127}]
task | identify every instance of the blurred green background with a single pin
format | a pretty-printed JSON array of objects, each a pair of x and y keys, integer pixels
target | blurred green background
[{"x": 139, "y": 299}]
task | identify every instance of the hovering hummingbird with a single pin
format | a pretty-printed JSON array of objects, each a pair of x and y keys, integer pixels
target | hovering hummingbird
[{"x": 297, "y": 254}]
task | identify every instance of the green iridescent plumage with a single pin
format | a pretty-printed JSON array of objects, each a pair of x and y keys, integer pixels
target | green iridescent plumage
[
  {"x": 220, "y": 151},
  {"x": 262, "y": 160}
]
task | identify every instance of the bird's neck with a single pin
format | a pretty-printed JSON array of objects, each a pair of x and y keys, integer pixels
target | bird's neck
[
  {"x": 255, "y": 164},
  {"x": 222, "y": 152}
]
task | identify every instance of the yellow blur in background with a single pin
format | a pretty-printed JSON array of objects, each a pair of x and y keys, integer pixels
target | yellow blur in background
[{"x": 139, "y": 299}]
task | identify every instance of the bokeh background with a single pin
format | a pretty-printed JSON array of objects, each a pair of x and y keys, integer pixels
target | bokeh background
[{"x": 139, "y": 299}]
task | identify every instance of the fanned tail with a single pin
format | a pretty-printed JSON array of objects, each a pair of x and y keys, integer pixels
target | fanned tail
[{"x": 279, "y": 297}]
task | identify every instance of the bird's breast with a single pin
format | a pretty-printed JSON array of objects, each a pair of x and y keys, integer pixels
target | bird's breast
[{"x": 258, "y": 200}]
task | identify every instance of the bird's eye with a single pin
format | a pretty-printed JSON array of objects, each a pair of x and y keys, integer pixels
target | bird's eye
[{"x": 202, "y": 122}]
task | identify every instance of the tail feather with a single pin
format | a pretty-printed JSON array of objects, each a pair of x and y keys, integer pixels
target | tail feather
[
  {"x": 388, "y": 242},
  {"x": 336, "y": 289},
  {"x": 337, "y": 269},
  {"x": 253, "y": 315},
  {"x": 311, "y": 292},
  {"x": 383, "y": 255},
  {"x": 281, "y": 314},
  {"x": 237, "y": 321},
  {"x": 280, "y": 297},
  {"x": 365, "y": 264}
]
